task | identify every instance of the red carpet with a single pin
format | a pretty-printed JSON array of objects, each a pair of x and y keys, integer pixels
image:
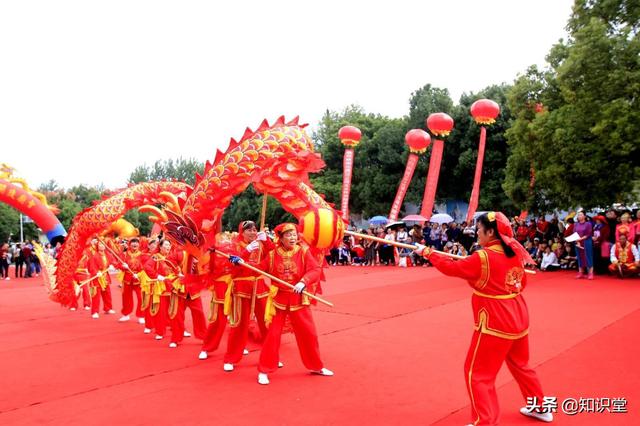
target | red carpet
[{"x": 396, "y": 340}]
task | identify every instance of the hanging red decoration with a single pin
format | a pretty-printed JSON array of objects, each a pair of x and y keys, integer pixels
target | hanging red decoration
[
  {"x": 349, "y": 136},
  {"x": 418, "y": 140},
  {"x": 440, "y": 124},
  {"x": 485, "y": 111}
]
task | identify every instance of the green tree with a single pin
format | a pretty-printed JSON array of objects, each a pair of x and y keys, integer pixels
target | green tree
[
  {"x": 584, "y": 143},
  {"x": 180, "y": 169}
]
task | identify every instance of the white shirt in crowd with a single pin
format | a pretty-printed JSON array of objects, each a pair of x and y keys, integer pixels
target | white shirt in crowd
[{"x": 548, "y": 259}]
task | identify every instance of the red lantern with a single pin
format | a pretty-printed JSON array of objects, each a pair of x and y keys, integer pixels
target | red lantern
[
  {"x": 440, "y": 124},
  {"x": 350, "y": 136},
  {"x": 485, "y": 111},
  {"x": 418, "y": 140}
]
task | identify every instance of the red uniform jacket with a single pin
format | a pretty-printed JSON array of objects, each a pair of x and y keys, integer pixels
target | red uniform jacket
[
  {"x": 244, "y": 278},
  {"x": 99, "y": 262},
  {"x": 134, "y": 260},
  {"x": 497, "y": 281},
  {"x": 168, "y": 267},
  {"x": 292, "y": 266}
]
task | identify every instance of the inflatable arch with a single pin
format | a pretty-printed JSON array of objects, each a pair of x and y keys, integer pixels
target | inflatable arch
[{"x": 16, "y": 193}]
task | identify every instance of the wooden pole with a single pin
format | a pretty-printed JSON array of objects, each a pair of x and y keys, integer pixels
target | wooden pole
[
  {"x": 276, "y": 279},
  {"x": 263, "y": 213},
  {"x": 410, "y": 246}
]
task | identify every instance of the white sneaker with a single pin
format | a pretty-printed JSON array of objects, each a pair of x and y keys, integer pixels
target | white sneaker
[
  {"x": 7, "y": 279},
  {"x": 186, "y": 334},
  {"x": 87, "y": 308},
  {"x": 111, "y": 312},
  {"x": 245, "y": 352},
  {"x": 159, "y": 337},
  {"x": 203, "y": 355},
  {"x": 543, "y": 417},
  {"x": 124, "y": 318},
  {"x": 72, "y": 309},
  {"x": 173, "y": 345},
  {"x": 95, "y": 316},
  {"x": 263, "y": 379},
  {"x": 141, "y": 321},
  {"x": 146, "y": 331},
  {"x": 280, "y": 364},
  {"x": 227, "y": 367},
  {"x": 323, "y": 372}
]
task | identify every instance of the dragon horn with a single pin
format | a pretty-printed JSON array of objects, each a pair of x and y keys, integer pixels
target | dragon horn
[
  {"x": 171, "y": 200},
  {"x": 157, "y": 215}
]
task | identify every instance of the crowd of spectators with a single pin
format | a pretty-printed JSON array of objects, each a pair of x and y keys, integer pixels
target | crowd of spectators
[{"x": 603, "y": 243}]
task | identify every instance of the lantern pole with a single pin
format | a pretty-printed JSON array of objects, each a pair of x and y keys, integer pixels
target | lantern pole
[
  {"x": 440, "y": 124},
  {"x": 484, "y": 112},
  {"x": 418, "y": 141},
  {"x": 350, "y": 137}
]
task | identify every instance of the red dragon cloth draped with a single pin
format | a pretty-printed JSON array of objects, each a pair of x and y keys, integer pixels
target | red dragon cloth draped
[{"x": 98, "y": 218}]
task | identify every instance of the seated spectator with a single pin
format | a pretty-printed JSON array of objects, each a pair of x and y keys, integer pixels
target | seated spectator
[
  {"x": 625, "y": 260},
  {"x": 404, "y": 254},
  {"x": 344, "y": 256},
  {"x": 569, "y": 259},
  {"x": 549, "y": 260},
  {"x": 358, "y": 257}
]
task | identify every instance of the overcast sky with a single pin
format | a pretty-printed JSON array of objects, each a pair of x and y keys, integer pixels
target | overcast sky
[{"x": 89, "y": 90}]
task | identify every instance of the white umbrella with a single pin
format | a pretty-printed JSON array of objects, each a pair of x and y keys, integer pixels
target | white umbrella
[{"x": 441, "y": 218}]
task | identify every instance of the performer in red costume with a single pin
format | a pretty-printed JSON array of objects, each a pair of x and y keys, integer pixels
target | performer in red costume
[
  {"x": 131, "y": 281},
  {"x": 81, "y": 275},
  {"x": 497, "y": 277},
  {"x": 294, "y": 264},
  {"x": 98, "y": 267},
  {"x": 151, "y": 248},
  {"x": 162, "y": 269},
  {"x": 186, "y": 294},
  {"x": 221, "y": 284},
  {"x": 249, "y": 290}
]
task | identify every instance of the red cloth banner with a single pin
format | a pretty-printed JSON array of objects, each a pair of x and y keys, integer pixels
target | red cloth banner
[
  {"x": 432, "y": 178},
  {"x": 475, "y": 192},
  {"x": 412, "y": 161},
  {"x": 347, "y": 168}
]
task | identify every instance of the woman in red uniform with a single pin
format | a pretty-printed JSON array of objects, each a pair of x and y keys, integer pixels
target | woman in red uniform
[
  {"x": 162, "y": 269},
  {"x": 249, "y": 290},
  {"x": 294, "y": 264},
  {"x": 497, "y": 277},
  {"x": 220, "y": 283},
  {"x": 133, "y": 258},
  {"x": 98, "y": 266}
]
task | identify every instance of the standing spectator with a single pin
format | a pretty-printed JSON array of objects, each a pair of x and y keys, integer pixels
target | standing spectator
[
  {"x": 434, "y": 236},
  {"x": 542, "y": 229},
  {"x": 468, "y": 235},
  {"x": 612, "y": 221},
  {"x": 388, "y": 248},
  {"x": 636, "y": 228},
  {"x": 601, "y": 244},
  {"x": 26, "y": 255},
  {"x": 522, "y": 232},
  {"x": 416, "y": 234},
  {"x": 402, "y": 235},
  {"x": 584, "y": 246},
  {"x": 626, "y": 227},
  {"x": 369, "y": 250},
  {"x": 570, "y": 225},
  {"x": 444, "y": 236},
  {"x": 18, "y": 259},
  {"x": 532, "y": 230},
  {"x": 4, "y": 261},
  {"x": 554, "y": 228},
  {"x": 453, "y": 233}
]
